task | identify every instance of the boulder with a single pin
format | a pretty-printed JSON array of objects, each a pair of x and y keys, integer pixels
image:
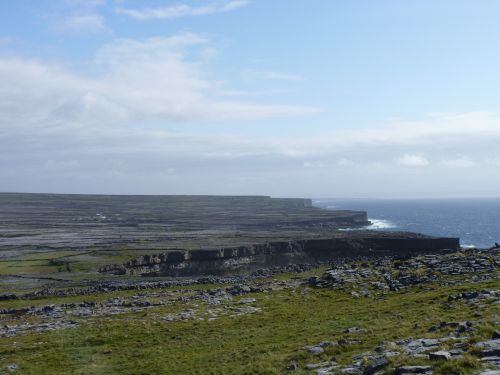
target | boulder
[
  {"x": 412, "y": 370},
  {"x": 350, "y": 371},
  {"x": 489, "y": 348},
  {"x": 440, "y": 355},
  {"x": 375, "y": 365},
  {"x": 314, "y": 366},
  {"x": 354, "y": 330},
  {"x": 13, "y": 367},
  {"x": 316, "y": 350}
]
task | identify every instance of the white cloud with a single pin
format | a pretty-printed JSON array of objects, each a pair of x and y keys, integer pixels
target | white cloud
[
  {"x": 182, "y": 10},
  {"x": 87, "y": 23},
  {"x": 113, "y": 157},
  {"x": 235, "y": 4},
  {"x": 80, "y": 17},
  {"x": 445, "y": 134},
  {"x": 413, "y": 160},
  {"x": 158, "y": 79},
  {"x": 87, "y": 4},
  {"x": 61, "y": 130}
]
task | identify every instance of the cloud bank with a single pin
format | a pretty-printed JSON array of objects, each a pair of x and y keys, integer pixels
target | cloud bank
[
  {"x": 133, "y": 123},
  {"x": 157, "y": 79}
]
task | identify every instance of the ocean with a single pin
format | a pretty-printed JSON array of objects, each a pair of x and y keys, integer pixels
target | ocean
[{"x": 475, "y": 221}]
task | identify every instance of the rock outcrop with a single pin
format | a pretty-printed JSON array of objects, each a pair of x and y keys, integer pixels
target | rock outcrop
[{"x": 243, "y": 258}]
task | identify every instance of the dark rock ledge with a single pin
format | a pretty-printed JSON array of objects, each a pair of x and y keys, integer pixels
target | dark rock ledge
[{"x": 229, "y": 260}]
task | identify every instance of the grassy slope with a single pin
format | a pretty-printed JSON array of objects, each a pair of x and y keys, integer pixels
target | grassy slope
[{"x": 264, "y": 343}]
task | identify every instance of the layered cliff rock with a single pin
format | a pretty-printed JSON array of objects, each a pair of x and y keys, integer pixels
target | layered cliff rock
[{"x": 244, "y": 258}]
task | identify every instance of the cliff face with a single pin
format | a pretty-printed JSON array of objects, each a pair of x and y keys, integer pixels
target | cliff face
[{"x": 245, "y": 258}]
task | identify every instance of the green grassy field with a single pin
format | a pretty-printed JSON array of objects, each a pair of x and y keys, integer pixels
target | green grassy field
[{"x": 266, "y": 342}]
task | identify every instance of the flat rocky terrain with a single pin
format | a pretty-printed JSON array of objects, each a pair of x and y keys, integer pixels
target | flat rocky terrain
[{"x": 50, "y": 239}]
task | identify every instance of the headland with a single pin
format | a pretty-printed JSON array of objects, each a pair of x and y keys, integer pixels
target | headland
[{"x": 237, "y": 285}]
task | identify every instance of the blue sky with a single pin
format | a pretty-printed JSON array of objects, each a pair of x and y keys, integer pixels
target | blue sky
[{"x": 289, "y": 98}]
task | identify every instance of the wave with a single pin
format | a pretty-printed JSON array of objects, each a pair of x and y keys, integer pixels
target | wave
[
  {"x": 468, "y": 246},
  {"x": 376, "y": 224},
  {"x": 381, "y": 224}
]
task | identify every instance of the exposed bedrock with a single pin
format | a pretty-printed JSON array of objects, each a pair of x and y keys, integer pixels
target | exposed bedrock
[{"x": 247, "y": 258}]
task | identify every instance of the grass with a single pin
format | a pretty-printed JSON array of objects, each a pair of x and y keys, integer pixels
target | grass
[
  {"x": 466, "y": 365},
  {"x": 263, "y": 343}
]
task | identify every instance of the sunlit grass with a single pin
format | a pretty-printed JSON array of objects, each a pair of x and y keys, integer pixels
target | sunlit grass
[{"x": 263, "y": 343}]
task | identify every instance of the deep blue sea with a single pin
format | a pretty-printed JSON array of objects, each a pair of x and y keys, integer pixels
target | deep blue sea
[{"x": 475, "y": 221}]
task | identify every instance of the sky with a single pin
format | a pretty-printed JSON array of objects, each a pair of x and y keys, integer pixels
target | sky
[{"x": 305, "y": 98}]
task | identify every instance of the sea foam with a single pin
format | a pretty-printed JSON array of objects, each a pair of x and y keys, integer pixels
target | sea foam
[{"x": 381, "y": 224}]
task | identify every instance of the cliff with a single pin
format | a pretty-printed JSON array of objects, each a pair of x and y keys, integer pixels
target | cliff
[{"x": 246, "y": 258}]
